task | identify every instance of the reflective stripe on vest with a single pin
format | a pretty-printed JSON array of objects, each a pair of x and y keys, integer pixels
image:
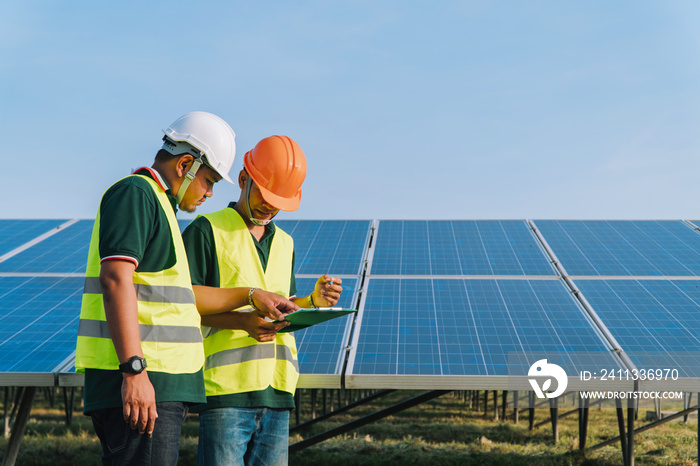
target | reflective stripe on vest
[
  {"x": 234, "y": 362},
  {"x": 148, "y": 293},
  {"x": 169, "y": 324},
  {"x": 250, "y": 353},
  {"x": 154, "y": 333}
]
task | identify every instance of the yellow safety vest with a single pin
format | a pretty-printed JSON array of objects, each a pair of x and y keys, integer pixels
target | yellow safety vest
[
  {"x": 169, "y": 323},
  {"x": 236, "y": 362}
]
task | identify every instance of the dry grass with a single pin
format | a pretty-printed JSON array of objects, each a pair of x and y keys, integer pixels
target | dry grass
[{"x": 440, "y": 432}]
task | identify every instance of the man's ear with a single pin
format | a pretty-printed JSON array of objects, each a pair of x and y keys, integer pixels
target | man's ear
[
  {"x": 183, "y": 165},
  {"x": 242, "y": 178}
]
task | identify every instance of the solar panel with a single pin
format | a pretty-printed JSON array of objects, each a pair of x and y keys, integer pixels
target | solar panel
[
  {"x": 38, "y": 323},
  {"x": 469, "y": 327},
  {"x": 656, "y": 322},
  {"x": 15, "y": 233},
  {"x": 322, "y": 347},
  {"x": 458, "y": 247},
  {"x": 64, "y": 252},
  {"x": 328, "y": 246},
  {"x": 623, "y": 248}
]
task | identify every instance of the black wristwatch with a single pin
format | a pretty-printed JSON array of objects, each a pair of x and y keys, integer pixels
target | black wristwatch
[{"x": 135, "y": 365}]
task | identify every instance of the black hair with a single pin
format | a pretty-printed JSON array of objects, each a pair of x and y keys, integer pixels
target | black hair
[{"x": 163, "y": 156}]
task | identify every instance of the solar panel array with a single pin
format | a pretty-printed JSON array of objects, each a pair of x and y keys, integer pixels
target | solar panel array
[
  {"x": 470, "y": 327},
  {"x": 442, "y": 304},
  {"x": 641, "y": 279},
  {"x": 465, "y": 304}
]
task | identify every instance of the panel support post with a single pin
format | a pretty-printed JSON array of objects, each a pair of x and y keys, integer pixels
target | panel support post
[
  {"x": 495, "y": 405},
  {"x": 531, "y": 420},
  {"x": 504, "y": 404},
  {"x": 621, "y": 427},
  {"x": 630, "y": 431},
  {"x": 583, "y": 405},
  {"x": 554, "y": 414},
  {"x": 19, "y": 426},
  {"x": 5, "y": 413},
  {"x": 313, "y": 403},
  {"x": 516, "y": 413},
  {"x": 69, "y": 403},
  {"x": 297, "y": 404}
]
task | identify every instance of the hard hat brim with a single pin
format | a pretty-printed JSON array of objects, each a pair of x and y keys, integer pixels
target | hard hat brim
[
  {"x": 224, "y": 176},
  {"x": 281, "y": 203}
]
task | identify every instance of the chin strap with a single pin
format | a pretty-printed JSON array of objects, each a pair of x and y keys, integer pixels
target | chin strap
[
  {"x": 253, "y": 220},
  {"x": 189, "y": 176}
]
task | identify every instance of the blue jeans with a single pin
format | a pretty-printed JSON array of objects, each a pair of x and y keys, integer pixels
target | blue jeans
[
  {"x": 123, "y": 446},
  {"x": 243, "y": 436}
]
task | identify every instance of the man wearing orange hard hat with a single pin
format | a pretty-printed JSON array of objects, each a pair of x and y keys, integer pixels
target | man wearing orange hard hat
[{"x": 250, "y": 382}]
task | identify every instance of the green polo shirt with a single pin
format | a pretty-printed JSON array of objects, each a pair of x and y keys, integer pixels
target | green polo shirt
[
  {"x": 134, "y": 227},
  {"x": 204, "y": 270}
]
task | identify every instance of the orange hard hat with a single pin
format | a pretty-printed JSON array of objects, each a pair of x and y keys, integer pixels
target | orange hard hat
[{"x": 277, "y": 165}]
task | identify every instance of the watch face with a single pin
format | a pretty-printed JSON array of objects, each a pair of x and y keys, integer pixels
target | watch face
[{"x": 137, "y": 365}]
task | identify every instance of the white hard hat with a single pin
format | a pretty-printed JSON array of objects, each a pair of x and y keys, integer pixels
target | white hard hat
[{"x": 209, "y": 134}]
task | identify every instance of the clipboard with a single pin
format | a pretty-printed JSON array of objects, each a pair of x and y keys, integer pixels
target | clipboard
[{"x": 307, "y": 317}]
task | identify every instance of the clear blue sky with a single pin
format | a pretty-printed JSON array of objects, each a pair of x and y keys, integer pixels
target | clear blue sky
[{"x": 405, "y": 109}]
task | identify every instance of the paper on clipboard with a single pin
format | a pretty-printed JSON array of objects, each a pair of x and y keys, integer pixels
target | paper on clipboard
[{"x": 307, "y": 317}]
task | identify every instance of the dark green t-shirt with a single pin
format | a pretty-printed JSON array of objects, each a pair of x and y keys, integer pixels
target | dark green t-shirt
[
  {"x": 134, "y": 227},
  {"x": 204, "y": 270}
]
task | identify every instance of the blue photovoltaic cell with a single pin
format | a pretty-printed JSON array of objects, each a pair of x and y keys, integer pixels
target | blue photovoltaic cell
[
  {"x": 473, "y": 327},
  {"x": 320, "y": 346},
  {"x": 656, "y": 322},
  {"x": 38, "y": 322},
  {"x": 328, "y": 246},
  {"x": 64, "y": 252},
  {"x": 458, "y": 247},
  {"x": 623, "y": 247},
  {"x": 15, "y": 233}
]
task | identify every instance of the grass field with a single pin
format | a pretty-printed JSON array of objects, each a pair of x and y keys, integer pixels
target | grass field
[{"x": 444, "y": 431}]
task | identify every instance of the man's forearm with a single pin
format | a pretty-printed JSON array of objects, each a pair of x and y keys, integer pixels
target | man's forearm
[
  {"x": 233, "y": 320},
  {"x": 121, "y": 309},
  {"x": 212, "y": 300}
]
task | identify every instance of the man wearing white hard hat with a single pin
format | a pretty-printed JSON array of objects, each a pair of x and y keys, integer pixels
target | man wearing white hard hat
[{"x": 139, "y": 340}]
